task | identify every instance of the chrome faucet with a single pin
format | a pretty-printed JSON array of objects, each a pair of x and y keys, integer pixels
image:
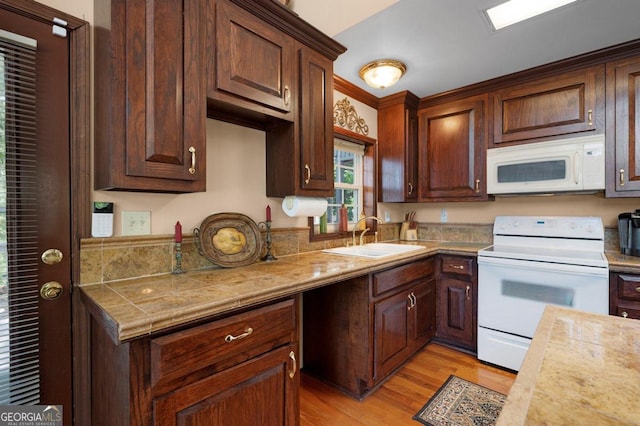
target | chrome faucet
[{"x": 355, "y": 227}]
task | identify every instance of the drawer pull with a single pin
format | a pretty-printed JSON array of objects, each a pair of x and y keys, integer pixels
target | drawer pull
[
  {"x": 638, "y": 289},
  {"x": 231, "y": 338},
  {"x": 624, "y": 314},
  {"x": 292, "y": 373},
  {"x": 460, "y": 267}
]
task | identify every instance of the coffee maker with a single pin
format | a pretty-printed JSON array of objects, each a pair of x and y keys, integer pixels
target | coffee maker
[{"x": 629, "y": 233}]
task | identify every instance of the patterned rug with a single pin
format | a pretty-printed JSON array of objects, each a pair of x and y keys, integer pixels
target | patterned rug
[{"x": 459, "y": 402}]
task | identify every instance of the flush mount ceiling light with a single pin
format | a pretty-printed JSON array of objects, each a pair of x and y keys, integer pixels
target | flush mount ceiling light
[
  {"x": 382, "y": 73},
  {"x": 514, "y": 11}
]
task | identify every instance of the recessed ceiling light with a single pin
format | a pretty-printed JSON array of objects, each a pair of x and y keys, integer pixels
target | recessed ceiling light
[{"x": 514, "y": 11}]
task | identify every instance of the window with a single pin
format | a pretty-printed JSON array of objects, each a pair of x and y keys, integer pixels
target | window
[
  {"x": 347, "y": 175},
  {"x": 354, "y": 158}
]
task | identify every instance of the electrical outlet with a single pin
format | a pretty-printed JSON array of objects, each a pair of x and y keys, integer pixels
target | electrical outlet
[
  {"x": 443, "y": 215},
  {"x": 136, "y": 223}
]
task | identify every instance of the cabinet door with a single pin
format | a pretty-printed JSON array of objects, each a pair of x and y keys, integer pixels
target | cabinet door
[
  {"x": 452, "y": 153},
  {"x": 316, "y": 121},
  {"x": 261, "y": 391},
  {"x": 455, "y": 311},
  {"x": 150, "y": 96},
  {"x": 391, "y": 341},
  {"x": 254, "y": 60},
  {"x": 422, "y": 315},
  {"x": 398, "y": 148},
  {"x": 569, "y": 103},
  {"x": 623, "y": 129}
]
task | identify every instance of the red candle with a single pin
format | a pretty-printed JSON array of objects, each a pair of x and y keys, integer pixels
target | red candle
[
  {"x": 178, "y": 232},
  {"x": 268, "y": 213}
]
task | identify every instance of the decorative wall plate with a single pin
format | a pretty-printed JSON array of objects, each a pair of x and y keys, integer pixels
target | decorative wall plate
[{"x": 229, "y": 239}]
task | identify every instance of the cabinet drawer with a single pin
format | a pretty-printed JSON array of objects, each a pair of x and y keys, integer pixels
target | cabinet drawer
[
  {"x": 396, "y": 277},
  {"x": 631, "y": 311},
  {"x": 457, "y": 265},
  {"x": 629, "y": 287},
  {"x": 222, "y": 343}
]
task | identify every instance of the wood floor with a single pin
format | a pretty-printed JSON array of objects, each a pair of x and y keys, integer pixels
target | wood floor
[{"x": 402, "y": 395}]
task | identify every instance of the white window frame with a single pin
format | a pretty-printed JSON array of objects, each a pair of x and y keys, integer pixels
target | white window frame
[{"x": 358, "y": 169}]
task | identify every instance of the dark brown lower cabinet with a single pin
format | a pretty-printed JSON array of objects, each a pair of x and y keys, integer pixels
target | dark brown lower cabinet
[
  {"x": 359, "y": 331},
  {"x": 456, "y": 301},
  {"x": 238, "y": 370},
  {"x": 624, "y": 295},
  {"x": 255, "y": 392}
]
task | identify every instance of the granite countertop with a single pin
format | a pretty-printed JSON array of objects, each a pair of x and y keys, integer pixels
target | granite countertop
[
  {"x": 134, "y": 308},
  {"x": 581, "y": 368}
]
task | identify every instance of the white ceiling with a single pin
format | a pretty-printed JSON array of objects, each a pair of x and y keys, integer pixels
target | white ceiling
[{"x": 448, "y": 44}]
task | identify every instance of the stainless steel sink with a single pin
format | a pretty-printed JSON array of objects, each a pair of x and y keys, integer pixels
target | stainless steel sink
[{"x": 374, "y": 250}]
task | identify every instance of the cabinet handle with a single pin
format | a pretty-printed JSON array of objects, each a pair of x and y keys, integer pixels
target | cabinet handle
[
  {"x": 466, "y": 292},
  {"x": 192, "y": 169},
  {"x": 638, "y": 289},
  {"x": 292, "y": 373},
  {"x": 621, "y": 177},
  {"x": 287, "y": 96},
  {"x": 624, "y": 314},
  {"x": 477, "y": 185},
  {"x": 307, "y": 170},
  {"x": 412, "y": 301},
  {"x": 231, "y": 338},
  {"x": 590, "y": 117},
  {"x": 460, "y": 267},
  {"x": 410, "y": 188}
]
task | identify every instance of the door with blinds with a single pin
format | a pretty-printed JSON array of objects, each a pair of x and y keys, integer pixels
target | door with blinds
[{"x": 35, "y": 266}]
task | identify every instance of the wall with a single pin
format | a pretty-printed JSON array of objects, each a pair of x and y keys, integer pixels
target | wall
[{"x": 235, "y": 182}]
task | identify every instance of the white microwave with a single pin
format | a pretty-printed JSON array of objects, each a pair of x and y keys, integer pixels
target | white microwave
[{"x": 568, "y": 165}]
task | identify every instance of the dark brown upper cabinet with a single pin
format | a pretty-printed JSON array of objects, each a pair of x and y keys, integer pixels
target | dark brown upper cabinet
[
  {"x": 162, "y": 68},
  {"x": 623, "y": 128},
  {"x": 254, "y": 63},
  {"x": 149, "y": 95},
  {"x": 398, "y": 148},
  {"x": 572, "y": 102},
  {"x": 273, "y": 71},
  {"x": 452, "y": 151},
  {"x": 300, "y": 155}
]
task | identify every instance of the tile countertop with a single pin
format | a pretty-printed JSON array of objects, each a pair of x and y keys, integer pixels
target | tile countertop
[
  {"x": 134, "y": 308},
  {"x": 580, "y": 369}
]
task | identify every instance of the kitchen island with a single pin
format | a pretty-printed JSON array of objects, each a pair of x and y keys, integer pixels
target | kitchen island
[{"x": 581, "y": 368}]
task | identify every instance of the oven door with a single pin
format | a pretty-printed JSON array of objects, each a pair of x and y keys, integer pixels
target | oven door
[{"x": 512, "y": 294}]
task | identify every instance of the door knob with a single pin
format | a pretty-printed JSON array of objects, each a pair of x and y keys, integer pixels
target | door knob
[
  {"x": 51, "y": 290},
  {"x": 51, "y": 256}
]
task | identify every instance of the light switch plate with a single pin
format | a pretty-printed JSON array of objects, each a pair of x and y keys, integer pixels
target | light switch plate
[{"x": 136, "y": 223}]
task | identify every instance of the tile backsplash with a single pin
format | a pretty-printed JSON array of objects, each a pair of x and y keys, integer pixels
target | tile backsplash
[{"x": 119, "y": 258}]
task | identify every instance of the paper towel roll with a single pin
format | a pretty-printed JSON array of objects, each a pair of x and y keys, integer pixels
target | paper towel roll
[{"x": 295, "y": 206}]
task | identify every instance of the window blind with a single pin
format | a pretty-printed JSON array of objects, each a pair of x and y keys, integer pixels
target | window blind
[{"x": 19, "y": 323}]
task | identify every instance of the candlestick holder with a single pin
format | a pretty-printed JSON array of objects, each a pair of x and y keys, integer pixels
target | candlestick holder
[
  {"x": 178, "y": 268},
  {"x": 268, "y": 257}
]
